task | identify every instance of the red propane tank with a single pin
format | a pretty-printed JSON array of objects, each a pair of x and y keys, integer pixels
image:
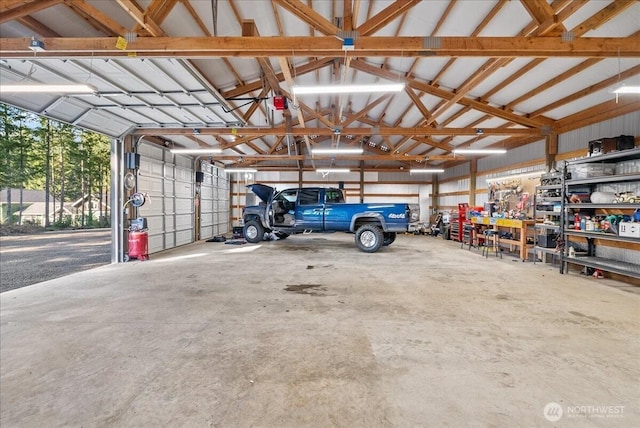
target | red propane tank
[{"x": 138, "y": 245}]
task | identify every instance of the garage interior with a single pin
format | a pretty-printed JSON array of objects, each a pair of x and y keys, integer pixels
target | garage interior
[{"x": 202, "y": 98}]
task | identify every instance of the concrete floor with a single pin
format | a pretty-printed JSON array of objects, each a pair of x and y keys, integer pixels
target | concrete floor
[{"x": 312, "y": 332}]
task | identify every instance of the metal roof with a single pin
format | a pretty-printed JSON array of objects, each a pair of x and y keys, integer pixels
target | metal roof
[{"x": 195, "y": 73}]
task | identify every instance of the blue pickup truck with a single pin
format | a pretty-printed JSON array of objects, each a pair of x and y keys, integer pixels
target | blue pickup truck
[{"x": 319, "y": 209}]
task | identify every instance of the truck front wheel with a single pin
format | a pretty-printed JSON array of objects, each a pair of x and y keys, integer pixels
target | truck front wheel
[
  {"x": 253, "y": 231},
  {"x": 369, "y": 238},
  {"x": 389, "y": 237}
]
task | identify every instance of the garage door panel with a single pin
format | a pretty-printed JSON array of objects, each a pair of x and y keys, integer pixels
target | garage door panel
[
  {"x": 168, "y": 206},
  {"x": 184, "y": 237},
  {"x": 184, "y": 206},
  {"x": 206, "y": 193},
  {"x": 151, "y": 151},
  {"x": 206, "y": 218},
  {"x": 184, "y": 190},
  {"x": 183, "y": 174}
]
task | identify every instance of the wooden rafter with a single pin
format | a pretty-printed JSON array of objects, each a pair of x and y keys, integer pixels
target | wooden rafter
[
  {"x": 387, "y": 15},
  {"x": 477, "y": 105},
  {"x": 310, "y": 16},
  {"x": 25, "y": 10},
  {"x": 98, "y": 19},
  {"x": 141, "y": 17},
  {"x": 37, "y": 27},
  {"x": 206, "y": 32},
  {"x": 602, "y": 17},
  {"x": 370, "y": 106},
  {"x": 603, "y": 84}
]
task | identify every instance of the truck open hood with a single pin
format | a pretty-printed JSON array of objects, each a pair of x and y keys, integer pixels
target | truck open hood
[{"x": 265, "y": 193}]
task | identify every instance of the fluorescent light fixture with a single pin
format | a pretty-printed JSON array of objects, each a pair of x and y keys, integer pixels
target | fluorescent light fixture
[
  {"x": 37, "y": 88},
  {"x": 337, "y": 151},
  {"x": 627, "y": 90},
  {"x": 347, "y": 89},
  {"x": 195, "y": 151},
  {"x": 479, "y": 151},
  {"x": 329, "y": 170},
  {"x": 241, "y": 170},
  {"x": 425, "y": 170}
]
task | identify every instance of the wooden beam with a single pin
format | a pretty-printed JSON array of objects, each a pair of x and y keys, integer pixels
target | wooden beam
[
  {"x": 257, "y": 85},
  {"x": 27, "y": 9},
  {"x": 345, "y": 131},
  {"x": 599, "y": 113},
  {"x": 310, "y": 16},
  {"x": 370, "y": 106},
  {"x": 633, "y": 71},
  {"x": 37, "y": 27},
  {"x": 372, "y": 158},
  {"x": 602, "y": 17},
  {"x": 418, "y": 103},
  {"x": 540, "y": 11},
  {"x": 141, "y": 17},
  {"x": 87, "y": 11},
  {"x": 510, "y": 47},
  {"x": 387, "y": 15},
  {"x": 442, "y": 93},
  {"x": 554, "y": 81}
]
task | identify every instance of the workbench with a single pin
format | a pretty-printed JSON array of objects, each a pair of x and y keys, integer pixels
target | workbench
[{"x": 520, "y": 229}]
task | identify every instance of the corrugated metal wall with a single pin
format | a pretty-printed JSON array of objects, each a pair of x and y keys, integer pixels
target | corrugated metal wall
[
  {"x": 526, "y": 153},
  {"x": 629, "y": 124}
]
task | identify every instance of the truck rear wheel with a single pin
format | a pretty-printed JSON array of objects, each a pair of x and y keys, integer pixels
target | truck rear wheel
[
  {"x": 369, "y": 238},
  {"x": 389, "y": 237},
  {"x": 253, "y": 231}
]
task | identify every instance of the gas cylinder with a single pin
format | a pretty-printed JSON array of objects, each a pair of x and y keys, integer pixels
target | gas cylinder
[{"x": 138, "y": 245}]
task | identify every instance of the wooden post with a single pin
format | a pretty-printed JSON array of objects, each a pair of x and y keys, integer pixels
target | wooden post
[
  {"x": 551, "y": 150},
  {"x": 473, "y": 165}
]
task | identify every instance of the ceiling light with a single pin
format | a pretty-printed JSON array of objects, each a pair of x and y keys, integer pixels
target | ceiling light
[
  {"x": 329, "y": 170},
  {"x": 196, "y": 151},
  {"x": 241, "y": 170},
  {"x": 337, "y": 151},
  {"x": 425, "y": 170},
  {"x": 627, "y": 90},
  {"x": 37, "y": 88},
  {"x": 345, "y": 89},
  {"x": 479, "y": 151}
]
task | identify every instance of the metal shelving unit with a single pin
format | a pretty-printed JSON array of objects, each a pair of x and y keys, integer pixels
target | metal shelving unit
[
  {"x": 545, "y": 198},
  {"x": 596, "y": 239}
]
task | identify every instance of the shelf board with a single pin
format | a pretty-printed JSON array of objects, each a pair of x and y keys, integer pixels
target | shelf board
[
  {"x": 603, "y": 179},
  {"x": 609, "y": 265},
  {"x": 621, "y": 155},
  {"x": 603, "y": 206},
  {"x": 547, "y": 226},
  {"x": 545, "y": 249},
  {"x": 601, "y": 235},
  {"x": 550, "y": 187},
  {"x": 549, "y": 200}
]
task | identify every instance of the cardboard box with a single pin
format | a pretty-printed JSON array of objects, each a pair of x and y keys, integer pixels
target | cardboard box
[{"x": 629, "y": 230}]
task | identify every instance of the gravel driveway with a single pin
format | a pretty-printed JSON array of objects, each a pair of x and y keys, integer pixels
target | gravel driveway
[{"x": 29, "y": 259}]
